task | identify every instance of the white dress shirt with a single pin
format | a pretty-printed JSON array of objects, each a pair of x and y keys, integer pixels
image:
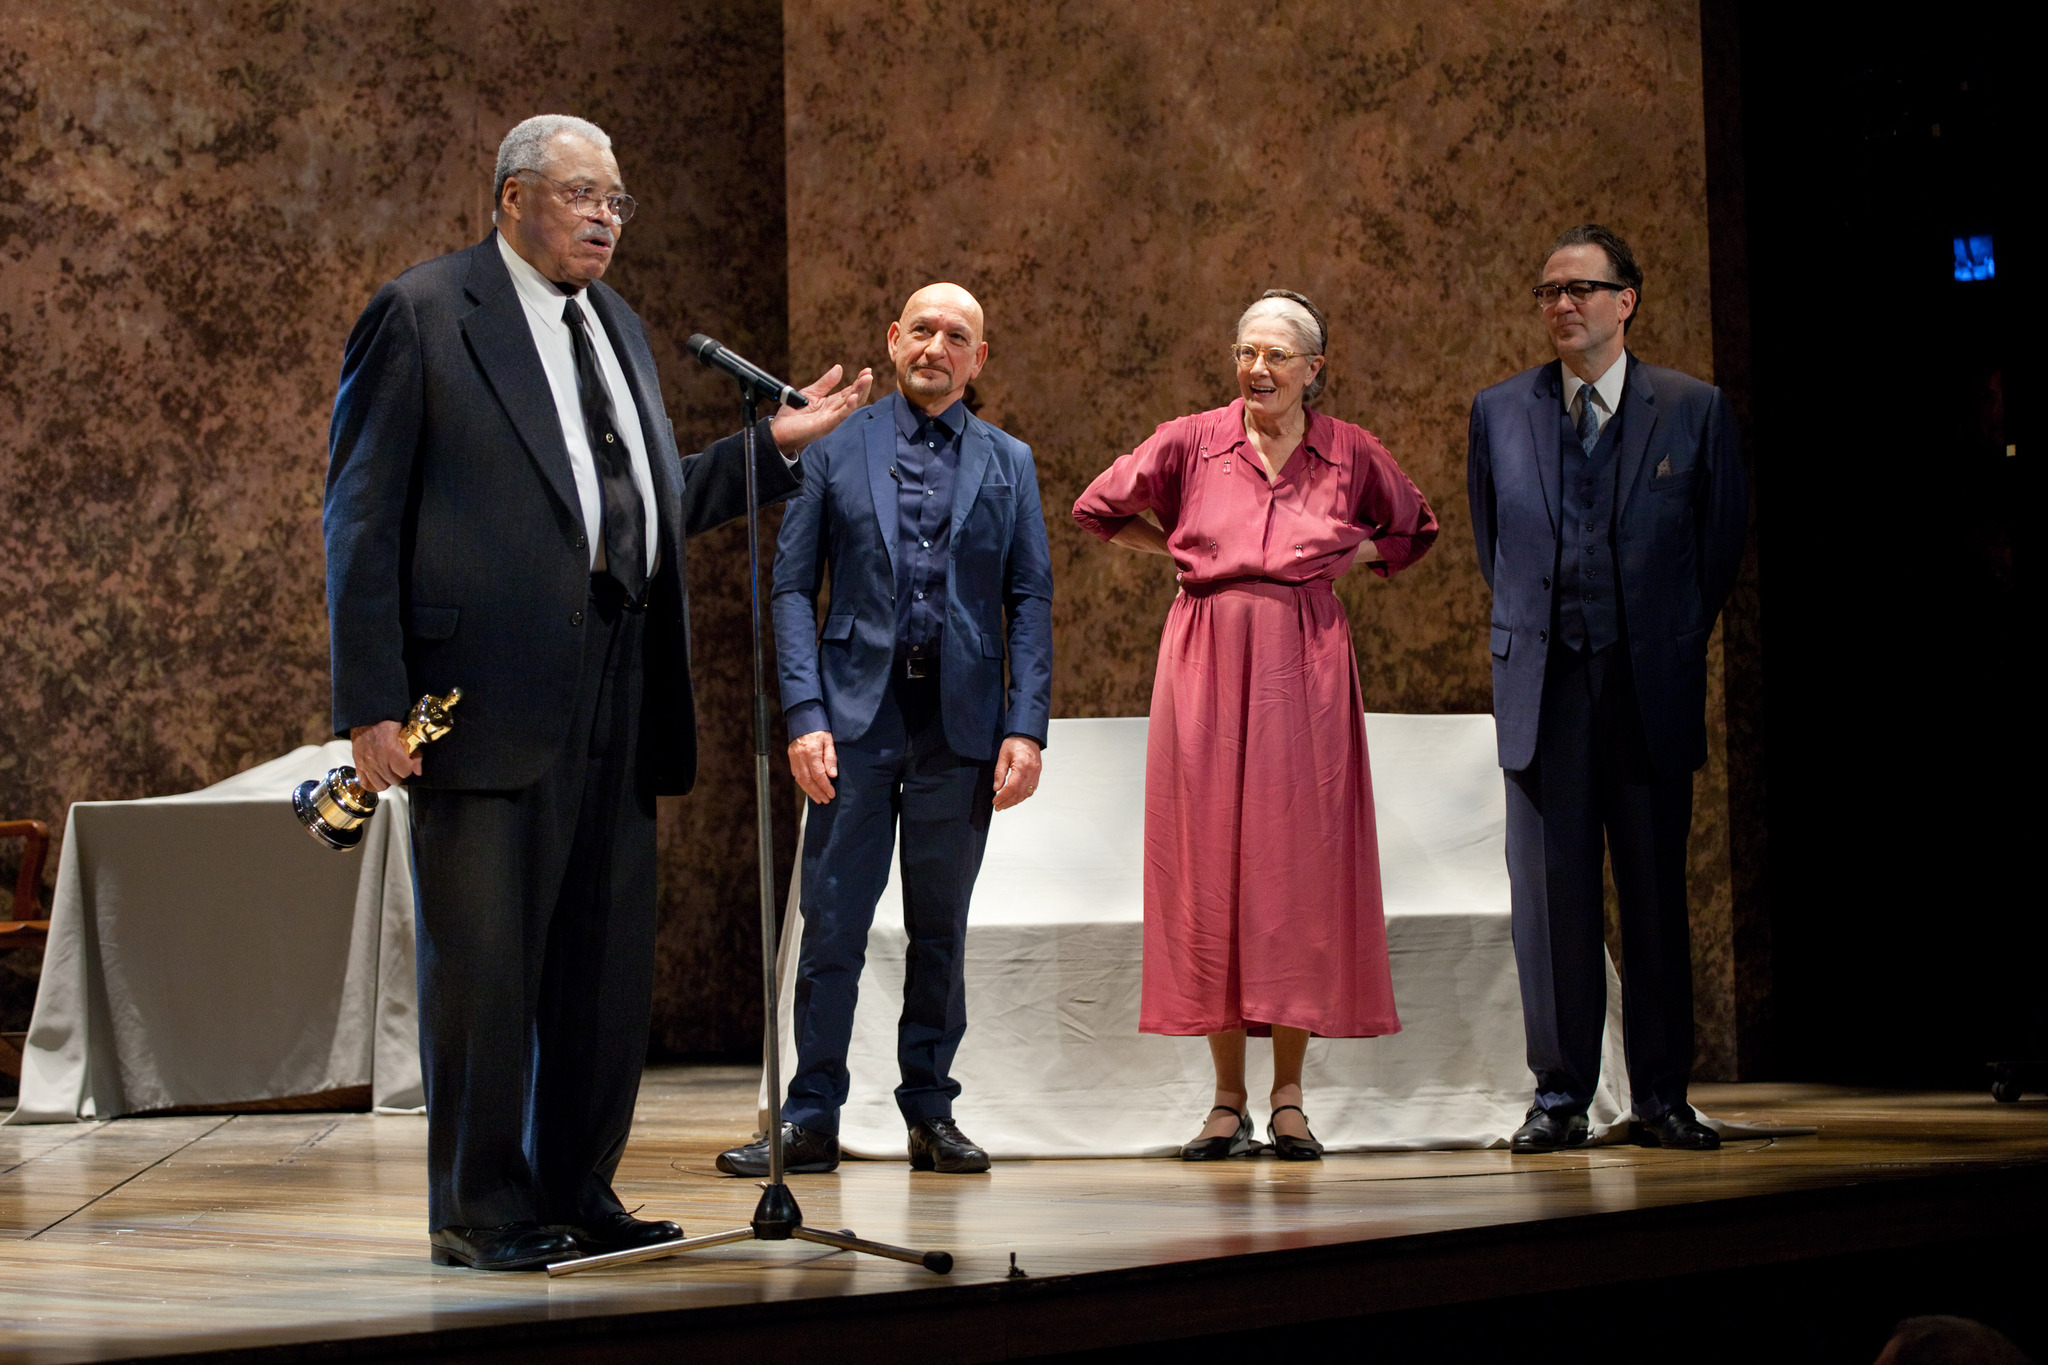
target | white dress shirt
[
  {"x": 1606, "y": 398},
  {"x": 543, "y": 303}
]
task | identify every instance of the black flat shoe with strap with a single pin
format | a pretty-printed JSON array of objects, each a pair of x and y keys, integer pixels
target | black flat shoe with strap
[
  {"x": 1239, "y": 1143},
  {"x": 1290, "y": 1148}
]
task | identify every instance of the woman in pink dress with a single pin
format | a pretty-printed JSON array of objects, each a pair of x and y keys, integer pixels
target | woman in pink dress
[{"x": 1262, "y": 878}]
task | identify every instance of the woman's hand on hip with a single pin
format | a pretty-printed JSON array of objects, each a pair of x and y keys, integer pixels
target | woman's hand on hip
[{"x": 1140, "y": 533}]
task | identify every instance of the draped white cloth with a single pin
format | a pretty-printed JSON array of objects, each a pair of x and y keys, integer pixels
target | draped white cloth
[
  {"x": 1053, "y": 1064},
  {"x": 204, "y": 950}
]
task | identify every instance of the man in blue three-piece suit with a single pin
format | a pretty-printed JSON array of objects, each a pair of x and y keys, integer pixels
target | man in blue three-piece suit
[
  {"x": 507, "y": 512},
  {"x": 1609, "y": 505},
  {"x": 926, "y": 520}
]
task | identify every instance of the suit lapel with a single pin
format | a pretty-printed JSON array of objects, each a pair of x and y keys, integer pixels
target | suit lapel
[
  {"x": 976, "y": 450},
  {"x": 503, "y": 345},
  {"x": 1639, "y": 419},
  {"x": 637, "y": 363},
  {"x": 1545, "y": 423},
  {"x": 881, "y": 454}
]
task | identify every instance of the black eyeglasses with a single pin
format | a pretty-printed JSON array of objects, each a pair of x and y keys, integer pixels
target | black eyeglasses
[{"x": 1580, "y": 290}]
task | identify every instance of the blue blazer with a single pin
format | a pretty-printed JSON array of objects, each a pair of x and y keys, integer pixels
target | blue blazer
[
  {"x": 842, "y": 525},
  {"x": 1680, "y": 518},
  {"x": 455, "y": 543}
]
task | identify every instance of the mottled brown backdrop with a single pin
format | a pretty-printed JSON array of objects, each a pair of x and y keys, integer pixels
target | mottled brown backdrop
[
  {"x": 1117, "y": 181},
  {"x": 196, "y": 199}
]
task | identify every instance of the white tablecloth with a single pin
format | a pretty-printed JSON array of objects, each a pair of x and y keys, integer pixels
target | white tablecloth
[
  {"x": 204, "y": 950},
  {"x": 1053, "y": 1064}
]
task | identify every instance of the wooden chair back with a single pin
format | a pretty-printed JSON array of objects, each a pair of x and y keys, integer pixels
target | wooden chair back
[
  {"x": 26, "y": 924},
  {"x": 24, "y": 930}
]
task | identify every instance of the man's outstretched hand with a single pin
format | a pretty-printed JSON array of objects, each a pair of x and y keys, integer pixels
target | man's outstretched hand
[
  {"x": 795, "y": 428},
  {"x": 381, "y": 758}
]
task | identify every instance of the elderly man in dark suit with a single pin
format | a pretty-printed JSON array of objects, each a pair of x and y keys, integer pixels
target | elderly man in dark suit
[
  {"x": 1609, "y": 505},
  {"x": 926, "y": 520},
  {"x": 507, "y": 512}
]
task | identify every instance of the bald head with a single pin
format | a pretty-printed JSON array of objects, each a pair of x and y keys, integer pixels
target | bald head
[
  {"x": 937, "y": 346},
  {"x": 949, "y": 299}
]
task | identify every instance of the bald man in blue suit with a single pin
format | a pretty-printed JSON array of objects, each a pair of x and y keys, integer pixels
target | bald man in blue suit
[{"x": 926, "y": 522}]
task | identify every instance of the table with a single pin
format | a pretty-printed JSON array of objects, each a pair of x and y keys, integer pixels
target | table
[
  {"x": 1053, "y": 1064},
  {"x": 204, "y": 951}
]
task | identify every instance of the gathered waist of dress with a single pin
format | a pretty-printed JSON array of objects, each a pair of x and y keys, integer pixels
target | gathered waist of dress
[{"x": 1261, "y": 587}]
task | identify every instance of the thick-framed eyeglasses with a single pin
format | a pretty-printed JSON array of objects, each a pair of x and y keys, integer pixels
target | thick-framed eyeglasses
[
  {"x": 1580, "y": 290},
  {"x": 1246, "y": 355},
  {"x": 586, "y": 202}
]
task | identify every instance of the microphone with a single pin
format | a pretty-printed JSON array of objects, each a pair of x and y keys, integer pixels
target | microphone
[{"x": 744, "y": 370}]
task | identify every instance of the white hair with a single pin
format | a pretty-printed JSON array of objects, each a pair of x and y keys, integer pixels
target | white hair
[
  {"x": 526, "y": 148},
  {"x": 1298, "y": 316}
]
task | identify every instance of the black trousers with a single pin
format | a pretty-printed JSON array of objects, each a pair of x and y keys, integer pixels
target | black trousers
[
  {"x": 1591, "y": 785},
  {"x": 901, "y": 772},
  {"x": 535, "y": 925}
]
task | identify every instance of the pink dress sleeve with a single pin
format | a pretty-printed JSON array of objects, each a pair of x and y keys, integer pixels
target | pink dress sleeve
[
  {"x": 1403, "y": 526},
  {"x": 1147, "y": 479}
]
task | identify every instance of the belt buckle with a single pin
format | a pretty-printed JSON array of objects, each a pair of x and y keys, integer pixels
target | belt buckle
[{"x": 917, "y": 668}]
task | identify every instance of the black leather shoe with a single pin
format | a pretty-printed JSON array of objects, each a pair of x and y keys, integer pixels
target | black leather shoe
[
  {"x": 1548, "y": 1132},
  {"x": 939, "y": 1145},
  {"x": 1290, "y": 1148},
  {"x": 804, "y": 1152},
  {"x": 1239, "y": 1143},
  {"x": 619, "y": 1232},
  {"x": 511, "y": 1246},
  {"x": 1680, "y": 1128}
]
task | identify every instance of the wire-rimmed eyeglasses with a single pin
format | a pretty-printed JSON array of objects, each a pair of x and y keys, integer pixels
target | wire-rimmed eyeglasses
[
  {"x": 1244, "y": 353},
  {"x": 586, "y": 202}
]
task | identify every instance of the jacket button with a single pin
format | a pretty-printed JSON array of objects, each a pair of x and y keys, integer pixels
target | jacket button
[
  {"x": 583, "y": 544},
  {"x": 1546, "y": 584},
  {"x": 575, "y": 618},
  {"x": 1543, "y": 636}
]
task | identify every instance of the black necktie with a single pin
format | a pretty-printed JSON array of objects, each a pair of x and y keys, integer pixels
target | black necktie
[{"x": 624, "y": 521}]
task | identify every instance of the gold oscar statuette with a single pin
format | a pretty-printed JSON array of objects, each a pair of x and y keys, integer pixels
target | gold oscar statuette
[{"x": 335, "y": 809}]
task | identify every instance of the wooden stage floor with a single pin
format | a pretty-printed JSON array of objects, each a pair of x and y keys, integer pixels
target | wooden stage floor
[{"x": 286, "y": 1236}]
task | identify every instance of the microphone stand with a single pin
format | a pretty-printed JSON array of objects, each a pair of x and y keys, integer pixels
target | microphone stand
[{"x": 776, "y": 1217}]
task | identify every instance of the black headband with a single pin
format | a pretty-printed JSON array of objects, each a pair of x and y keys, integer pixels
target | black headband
[{"x": 1322, "y": 327}]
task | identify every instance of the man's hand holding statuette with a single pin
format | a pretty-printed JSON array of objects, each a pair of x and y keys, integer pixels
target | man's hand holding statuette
[{"x": 381, "y": 756}]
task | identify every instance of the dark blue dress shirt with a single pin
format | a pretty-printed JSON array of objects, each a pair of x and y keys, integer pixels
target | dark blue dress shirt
[{"x": 927, "y": 458}]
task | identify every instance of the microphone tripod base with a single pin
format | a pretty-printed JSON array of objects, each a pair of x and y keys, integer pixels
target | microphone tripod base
[{"x": 776, "y": 1219}]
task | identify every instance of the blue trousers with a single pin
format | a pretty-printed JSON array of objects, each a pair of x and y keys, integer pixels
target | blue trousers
[
  {"x": 900, "y": 773},
  {"x": 1591, "y": 790}
]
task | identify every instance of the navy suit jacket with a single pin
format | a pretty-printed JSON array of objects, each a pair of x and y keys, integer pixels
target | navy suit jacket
[
  {"x": 1681, "y": 513},
  {"x": 456, "y": 554},
  {"x": 998, "y": 586}
]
